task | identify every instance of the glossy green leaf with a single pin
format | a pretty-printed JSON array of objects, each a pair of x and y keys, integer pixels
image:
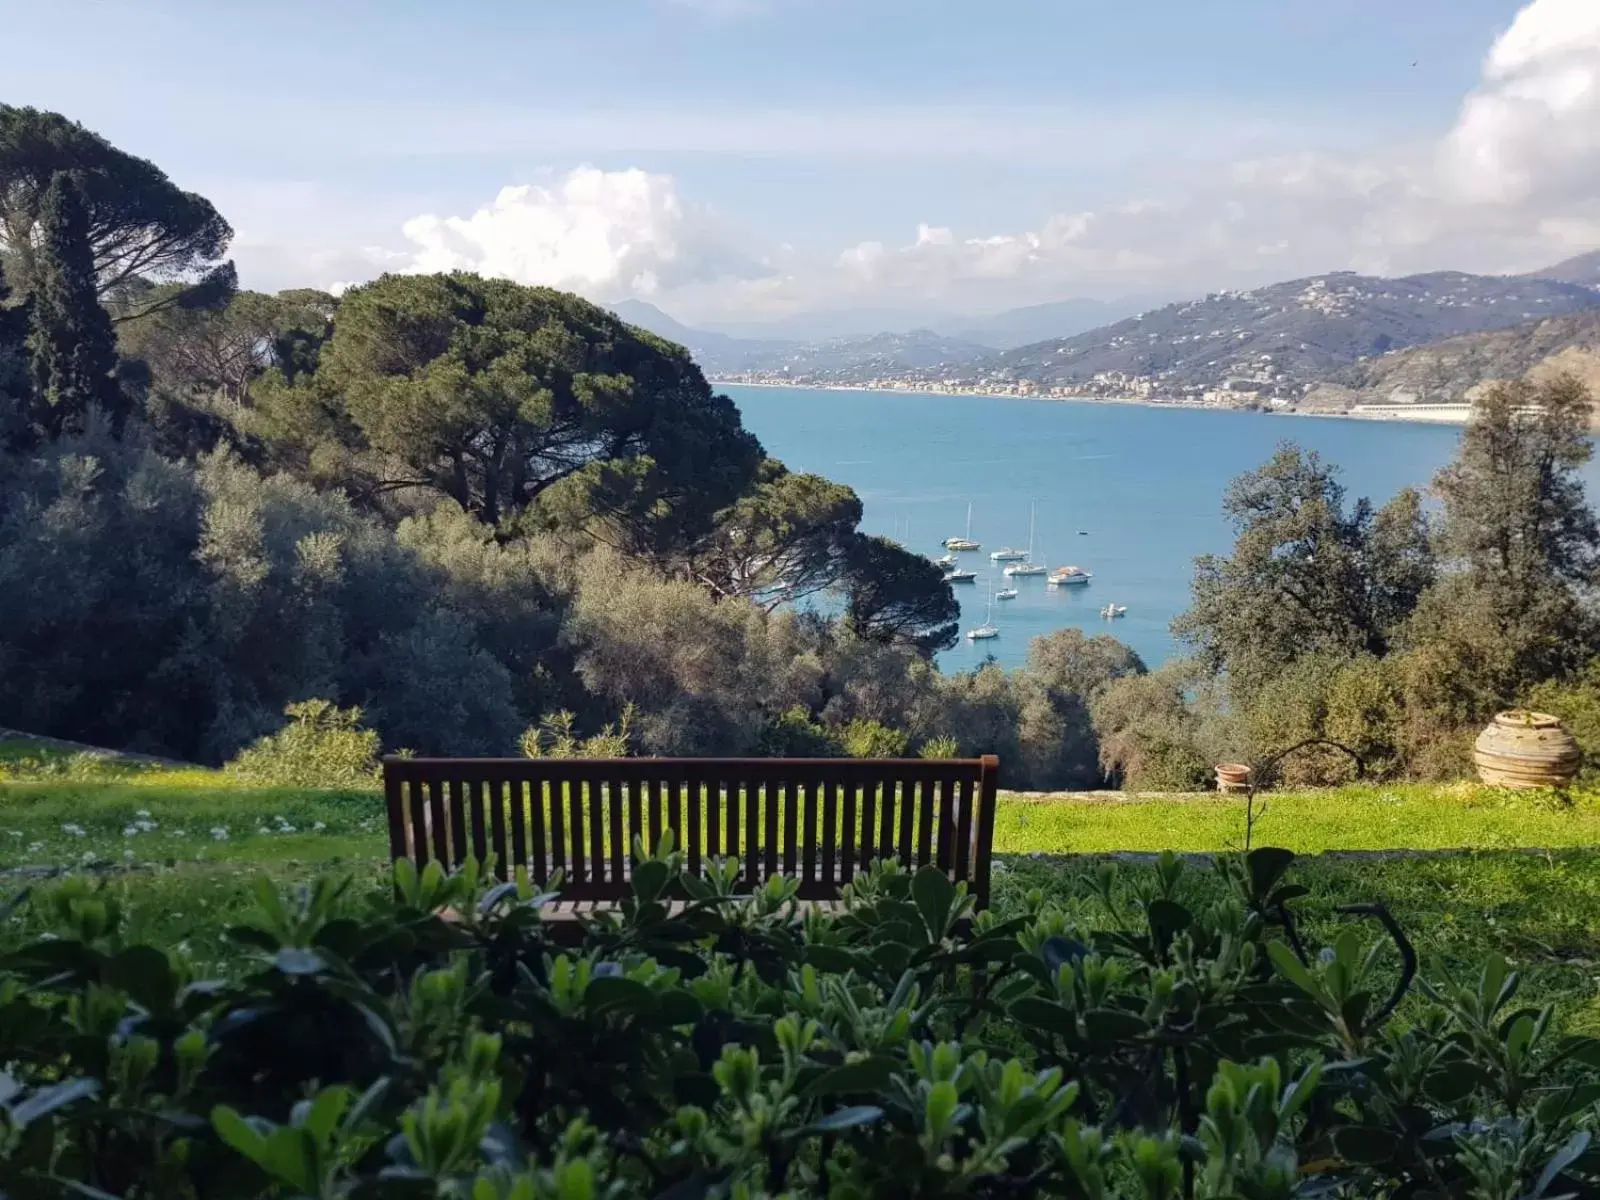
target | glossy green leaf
[
  {"x": 935, "y": 896},
  {"x": 845, "y": 1118}
]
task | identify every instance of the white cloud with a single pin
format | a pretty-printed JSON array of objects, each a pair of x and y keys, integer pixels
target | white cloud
[
  {"x": 603, "y": 233},
  {"x": 1512, "y": 185},
  {"x": 1532, "y": 128}
]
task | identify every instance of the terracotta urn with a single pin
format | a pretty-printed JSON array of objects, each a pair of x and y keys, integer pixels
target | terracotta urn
[
  {"x": 1522, "y": 749},
  {"x": 1232, "y": 777}
]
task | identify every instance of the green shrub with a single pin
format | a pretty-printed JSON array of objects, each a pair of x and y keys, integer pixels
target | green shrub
[
  {"x": 869, "y": 739},
  {"x": 1150, "y": 737},
  {"x": 794, "y": 734},
  {"x": 556, "y": 737},
  {"x": 1577, "y": 703},
  {"x": 940, "y": 747},
  {"x": 741, "y": 1046},
  {"x": 321, "y": 746}
]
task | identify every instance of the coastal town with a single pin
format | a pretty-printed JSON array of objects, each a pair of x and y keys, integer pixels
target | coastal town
[{"x": 1113, "y": 387}]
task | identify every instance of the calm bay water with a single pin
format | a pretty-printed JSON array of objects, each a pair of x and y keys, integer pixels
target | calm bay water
[{"x": 1144, "y": 483}]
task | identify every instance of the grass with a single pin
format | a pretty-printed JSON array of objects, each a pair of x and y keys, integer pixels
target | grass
[
  {"x": 74, "y": 810},
  {"x": 1529, "y": 885},
  {"x": 1393, "y": 817}
]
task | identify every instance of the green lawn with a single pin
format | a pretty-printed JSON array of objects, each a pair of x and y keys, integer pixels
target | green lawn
[
  {"x": 58, "y": 811},
  {"x": 1394, "y": 817},
  {"x": 193, "y": 839}
]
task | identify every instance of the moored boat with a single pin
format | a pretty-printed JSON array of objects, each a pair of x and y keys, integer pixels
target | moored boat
[
  {"x": 988, "y": 629},
  {"x": 1069, "y": 576},
  {"x": 964, "y": 542}
]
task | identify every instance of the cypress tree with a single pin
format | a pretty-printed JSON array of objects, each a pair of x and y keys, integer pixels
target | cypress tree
[
  {"x": 71, "y": 347},
  {"x": 14, "y": 388}
]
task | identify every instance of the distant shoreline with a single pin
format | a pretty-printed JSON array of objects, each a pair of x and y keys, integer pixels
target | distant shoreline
[{"x": 1399, "y": 413}]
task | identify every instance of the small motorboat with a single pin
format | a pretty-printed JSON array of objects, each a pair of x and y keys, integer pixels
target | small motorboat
[
  {"x": 947, "y": 561},
  {"x": 1024, "y": 568},
  {"x": 1069, "y": 577},
  {"x": 961, "y": 576},
  {"x": 1083, "y": 533},
  {"x": 1006, "y": 594},
  {"x": 1111, "y": 611},
  {"x": 1007, "y": 554}
]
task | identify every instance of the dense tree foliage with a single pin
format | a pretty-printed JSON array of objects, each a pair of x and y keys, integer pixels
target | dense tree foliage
[
  {"x": 521, "y": 402},
  {"x": 16, "y": 390},
  {"x": 72, "y": 352},
  {"x": 141, "y": 226},
  {"x": 1392, "y": 633},
  {"x": 1305, "y": 574},
  {"x": 491, "y": 516},
  {"x": 896, "y": 596}
]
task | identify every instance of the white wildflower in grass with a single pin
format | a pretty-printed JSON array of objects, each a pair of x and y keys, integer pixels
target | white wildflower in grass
[
  {"x": 73, "y": 830},
  {"x": 219, "y": 833},
  {"x": 35, "y": 847},
  {"x": 130, "y": 831},
  {"x": 16, "y": 833},
  {"x": 88, "y": 857},
  {"x": 143, "y": 812},
  {"x": 319, "y": 827},
  {"x": 127, "y": 856}
]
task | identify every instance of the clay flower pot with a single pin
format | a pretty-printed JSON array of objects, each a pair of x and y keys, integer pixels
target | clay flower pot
[
  {"x": 1521, "y": 749},
  {"x": 1232, "y": 777}
]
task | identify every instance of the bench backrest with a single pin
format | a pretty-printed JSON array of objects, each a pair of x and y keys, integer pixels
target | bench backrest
[{"x": 822, "y": 821}]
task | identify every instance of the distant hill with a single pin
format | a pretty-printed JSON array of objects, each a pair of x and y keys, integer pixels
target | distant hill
[
  {"x": 996, "y": 331},
  {"x": 844, "y": 359},
  {"x": 1284, "y": 337},
  {"x": 1451, "y": 371},
  {"x": 1584, "y": 269},
  {"x": 1035, "y": 323},
  {"x": 858, "y": 359}
]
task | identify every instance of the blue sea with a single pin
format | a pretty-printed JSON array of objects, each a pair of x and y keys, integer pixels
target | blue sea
[{"x": 1143, "y": 484}]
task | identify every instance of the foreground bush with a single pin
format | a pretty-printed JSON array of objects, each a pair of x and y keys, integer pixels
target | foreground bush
[
  {"x": 321, "y": 746},
  {"x": 741, "y": 1047}
]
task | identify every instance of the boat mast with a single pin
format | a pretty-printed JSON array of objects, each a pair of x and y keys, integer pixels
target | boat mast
[{"x": 969, "y": 520}]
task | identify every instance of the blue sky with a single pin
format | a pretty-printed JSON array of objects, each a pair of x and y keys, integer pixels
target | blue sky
[{"x": 750, "y": 158}]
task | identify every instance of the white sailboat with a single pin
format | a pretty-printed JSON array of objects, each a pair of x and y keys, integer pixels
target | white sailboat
[
  {"x": 966, "y": 542},
  {"x": 1027, "y": 566},
  {"x": 1006, "y": 594},
  {"x": 987, "y": 630},
  {"x": 1010, "y": 553},
  {"x": 1111, "y": 611},
  {"x": 947, "y": 561}
]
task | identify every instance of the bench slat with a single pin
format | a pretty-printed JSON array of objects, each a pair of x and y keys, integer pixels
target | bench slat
[
  {"x": 791, "y": 824},
  {"x": 820, "y": 821},
  {"x": 964, "y": 830}
]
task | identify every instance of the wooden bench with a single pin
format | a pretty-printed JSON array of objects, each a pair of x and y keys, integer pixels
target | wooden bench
[{"x": 821, "y": 821}]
